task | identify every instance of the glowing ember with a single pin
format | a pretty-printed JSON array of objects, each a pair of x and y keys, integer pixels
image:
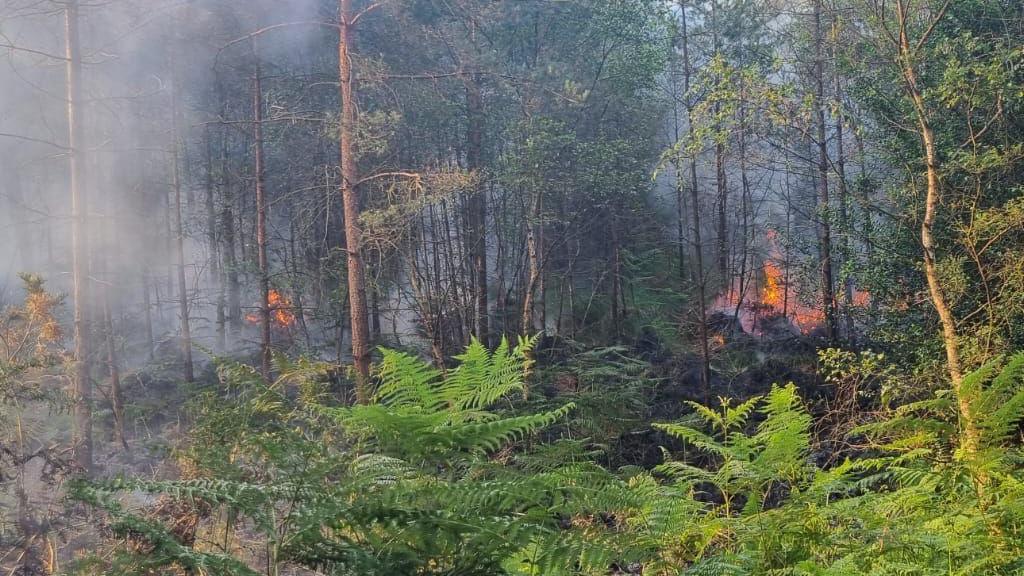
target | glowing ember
[
  {"x": 861, "y": 298},
  {"x": 281, "y": 314}
]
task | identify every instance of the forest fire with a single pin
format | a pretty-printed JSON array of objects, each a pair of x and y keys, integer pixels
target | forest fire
[
  {"x": 281, "y": 314},
  {"x": 579, "y": 287},
  {"x": 773, "y": 296}
]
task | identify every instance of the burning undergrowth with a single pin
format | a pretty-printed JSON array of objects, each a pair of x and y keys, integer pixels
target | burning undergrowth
[
  {"x": 280, "y": 308},
  {"x": 773, "y": 302}
]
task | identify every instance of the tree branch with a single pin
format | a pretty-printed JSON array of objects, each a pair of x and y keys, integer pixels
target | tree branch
[
  {"x": 31, "y": 139},
  {"x": 14, "y": 48},
  {"x": 409, "y": 175},
  {"x": 365, "y": 11}
]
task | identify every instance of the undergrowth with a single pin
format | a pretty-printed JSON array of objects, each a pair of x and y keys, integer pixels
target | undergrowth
[{"x": 446, "y": 472}]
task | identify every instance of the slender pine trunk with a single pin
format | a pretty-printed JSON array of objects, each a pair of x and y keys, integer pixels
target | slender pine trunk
[
  {"x": 261, "y": 219},
  {"x": 350, "y": 200}
]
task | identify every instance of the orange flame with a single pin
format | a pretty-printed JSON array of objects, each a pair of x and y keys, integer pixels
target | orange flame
[
  {"x": 281, "y": 314},
  {"x": 781, "y": 298},
  {"x": 772, "y": 295},
  {"x": 776, "y": 297}
]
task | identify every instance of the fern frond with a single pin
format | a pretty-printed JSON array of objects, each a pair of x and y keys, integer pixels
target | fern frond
[
  {"x": 405, "y": 380},
  {"x": 693, "y": 436}
]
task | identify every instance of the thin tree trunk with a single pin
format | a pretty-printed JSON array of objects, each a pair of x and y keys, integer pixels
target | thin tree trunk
[
  {"x": 721, "y": 184},
  {"x": 298, "y": 298},
  {"x": 500, "y": 256},
  {"x": 116, "y": 395},
  {"x": 971, "y": 441},
  {"x": 261, "y": 219},
  {"x": 456, "y": 287},
  {"x": 350, "y": 200},
  {"x": 616, "y": 283},
  {"x": 698, "y": 246},
  {"x": 213, "y": 246},
  {"x": 533, "y": 248},
  {"x": 680, "y": 187},
  {"x": 229, "y": 269},
  {"x": 476, "y": 207},
  {"x": 428, "y": 306},
  {"x": 745, "y": 208},
  {"x": 147, "y": 312},
  {"x": 106, "y": 242},
  {"x": 541, "y": 307},
  {"x": 863, "y": 197},
  {"x": 231, "y": 266},
  {"x": 179, "y": 230},
  {"x": 81, "y": 392},
  {"x": 169, "y": 227},
  {"x": 824, "y": 212},
  {"x": 841, "y": 189}
]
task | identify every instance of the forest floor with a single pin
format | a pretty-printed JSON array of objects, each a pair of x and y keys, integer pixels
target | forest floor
[{"x": 621, "y": 390}]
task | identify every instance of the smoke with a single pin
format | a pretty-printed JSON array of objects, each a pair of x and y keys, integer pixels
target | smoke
[{"x": 136, "y": 52}]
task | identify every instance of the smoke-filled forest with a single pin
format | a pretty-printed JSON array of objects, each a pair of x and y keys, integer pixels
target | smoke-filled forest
[{"x": 521, "y": 287}]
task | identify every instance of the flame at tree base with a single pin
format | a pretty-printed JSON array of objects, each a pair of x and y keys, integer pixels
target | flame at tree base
[
  {"x": 773, "y": 300},
  {"x": 761, "y": 307},
  {"x": 281, "y": 311}
]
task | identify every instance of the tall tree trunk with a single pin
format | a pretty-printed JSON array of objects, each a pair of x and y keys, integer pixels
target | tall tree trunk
[
  {"x": 147, "y": 312},
  {"x": 229, "y": 269},
  {"x": 476, "y": 206},
  {"x": 460, "y": 309},
  {"x": 745, "y": 274},
  {"x": 105, "y": 241},
  {"x": 179, "y": 230},
  {"x": 681, "y": 218},
  {"x": 350, "y": 200},
  {"x": 971, "y": 438},
  {"x": 721, "y": 187},
  {"x": 616, "y": 284},
  {"x": 721, "y": 184},
  {"x": 677, "y": 166},
  {"x": 745, "y": 208},
  {"x": 214, "y": 246},
  {"x": 116, "y": 395},
  {"x": 500, "y": 257},
  {"x": 863, "y": 195},
  {"x": 824, "y": 212},
  {"x": 298, "y": 297},
  {"x": 533, "y": 254},
  {"x": 81, "y": 393},
  {"x": 169, "y": 227},
  {"x": 841, "y": 187},
  {"x": 700, "y": 277},
  {"x": 261, "y": 218}
]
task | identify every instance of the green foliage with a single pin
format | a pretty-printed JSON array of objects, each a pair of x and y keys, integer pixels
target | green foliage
[
  {"x": 746, "y": 466},
  {"x": 425, "y": 480},
  {"x": 421, "y": 416},
  {"x": 614, "y": 394},
  {"x": 913, "y": 504},
  {"x": 445, "y": 473},
  {"x": 967, "y": 66}
]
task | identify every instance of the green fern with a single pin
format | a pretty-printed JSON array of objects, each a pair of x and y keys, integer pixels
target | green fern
[
  {"x": 431, "y": 478},
  {"x": 449, "y": 473}
]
